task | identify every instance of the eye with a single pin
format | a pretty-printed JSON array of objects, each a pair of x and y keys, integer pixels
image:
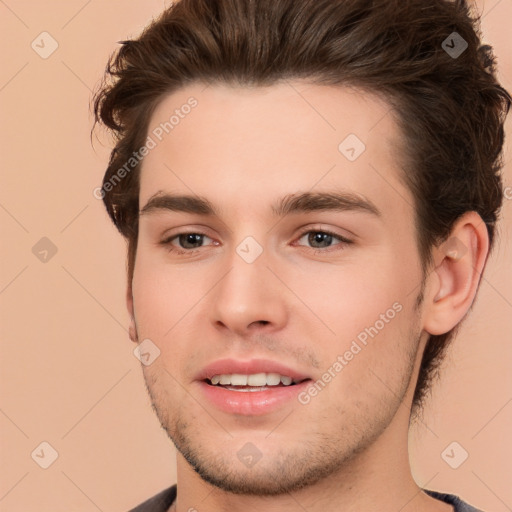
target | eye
[
  {"x": 188, "y": 242},
  {"x": 191, "y": 242},
  {"x": 322, "y": 239}
]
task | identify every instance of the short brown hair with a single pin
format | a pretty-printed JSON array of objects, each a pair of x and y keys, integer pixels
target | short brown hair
[{"x": 450, "y": 109}]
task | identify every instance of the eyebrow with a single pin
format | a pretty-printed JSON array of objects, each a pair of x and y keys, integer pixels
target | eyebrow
[{"x": 290, "y": 204}]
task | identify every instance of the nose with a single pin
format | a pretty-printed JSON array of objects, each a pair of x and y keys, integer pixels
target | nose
[{"x": 249, "y": 298}]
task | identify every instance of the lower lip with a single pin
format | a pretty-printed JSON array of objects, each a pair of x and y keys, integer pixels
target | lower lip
[{"x": 251, "y": 403}]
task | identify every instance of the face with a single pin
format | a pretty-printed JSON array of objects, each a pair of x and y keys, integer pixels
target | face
[{"x": 292, "y": 259}]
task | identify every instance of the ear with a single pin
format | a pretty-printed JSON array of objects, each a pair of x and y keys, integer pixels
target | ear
[
  {"x": 454, "y": 282},
  {"x": 132, "y": 329}
]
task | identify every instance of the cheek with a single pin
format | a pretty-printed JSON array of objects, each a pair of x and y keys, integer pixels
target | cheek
[
  {"x": 370, "y": 370},
  {"x": 367, "y": 321},
  {"x": 350, "y": 297},
  {"x": 162, "y": 296},
  {"x": 169, "y": 303}
]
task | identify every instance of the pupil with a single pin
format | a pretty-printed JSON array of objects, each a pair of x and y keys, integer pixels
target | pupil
[
  {"x": 319, "y": 237},
  {"x": 190, "y": 238}
]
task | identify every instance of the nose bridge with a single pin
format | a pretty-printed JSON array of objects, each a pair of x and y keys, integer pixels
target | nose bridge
[{"x": 249, "y": 293}]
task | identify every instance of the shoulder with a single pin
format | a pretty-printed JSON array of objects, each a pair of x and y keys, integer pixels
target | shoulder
[
  {"x": 451, "y": 499},
  {"x": 158, "y": 503}
]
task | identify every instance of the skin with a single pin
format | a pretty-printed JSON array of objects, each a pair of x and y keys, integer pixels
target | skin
[{"x": 300, "y": 303}]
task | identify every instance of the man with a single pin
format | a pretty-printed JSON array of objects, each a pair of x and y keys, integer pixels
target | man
[{"x": 309, "y": 190}]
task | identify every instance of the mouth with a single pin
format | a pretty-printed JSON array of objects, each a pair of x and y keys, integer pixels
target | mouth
[
  {"x": 255, "y": 382},
  {"x": 251, "y": 388}
]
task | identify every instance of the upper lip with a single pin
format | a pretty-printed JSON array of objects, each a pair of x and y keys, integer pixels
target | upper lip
[{"x": 249, "y": 367}]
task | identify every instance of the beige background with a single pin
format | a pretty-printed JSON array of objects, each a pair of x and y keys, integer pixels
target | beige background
[{"x": 68, "y": 373}]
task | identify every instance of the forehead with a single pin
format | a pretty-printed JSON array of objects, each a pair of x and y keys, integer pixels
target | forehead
[{"x": 234, "y": 144}]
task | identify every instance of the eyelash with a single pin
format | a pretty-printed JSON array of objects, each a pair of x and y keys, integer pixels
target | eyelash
[{"x": 343, "y": 241}]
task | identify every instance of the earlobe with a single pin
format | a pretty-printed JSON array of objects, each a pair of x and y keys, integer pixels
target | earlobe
[
  {"x": 132, "y": 328},
  {"x": 455, "y": 279}
]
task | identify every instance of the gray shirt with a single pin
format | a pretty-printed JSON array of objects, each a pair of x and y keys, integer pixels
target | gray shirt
[{"x": 163, "y": 500}]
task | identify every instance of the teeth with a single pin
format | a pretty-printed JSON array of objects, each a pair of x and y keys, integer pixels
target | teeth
[
  {"x": 238, "y": 379},
  {"x": 225, "y": 379},
  {"x": 286, "y": 380},
  {"x": 256, "y": 379},
  {"x": 273, "y": 379}
]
